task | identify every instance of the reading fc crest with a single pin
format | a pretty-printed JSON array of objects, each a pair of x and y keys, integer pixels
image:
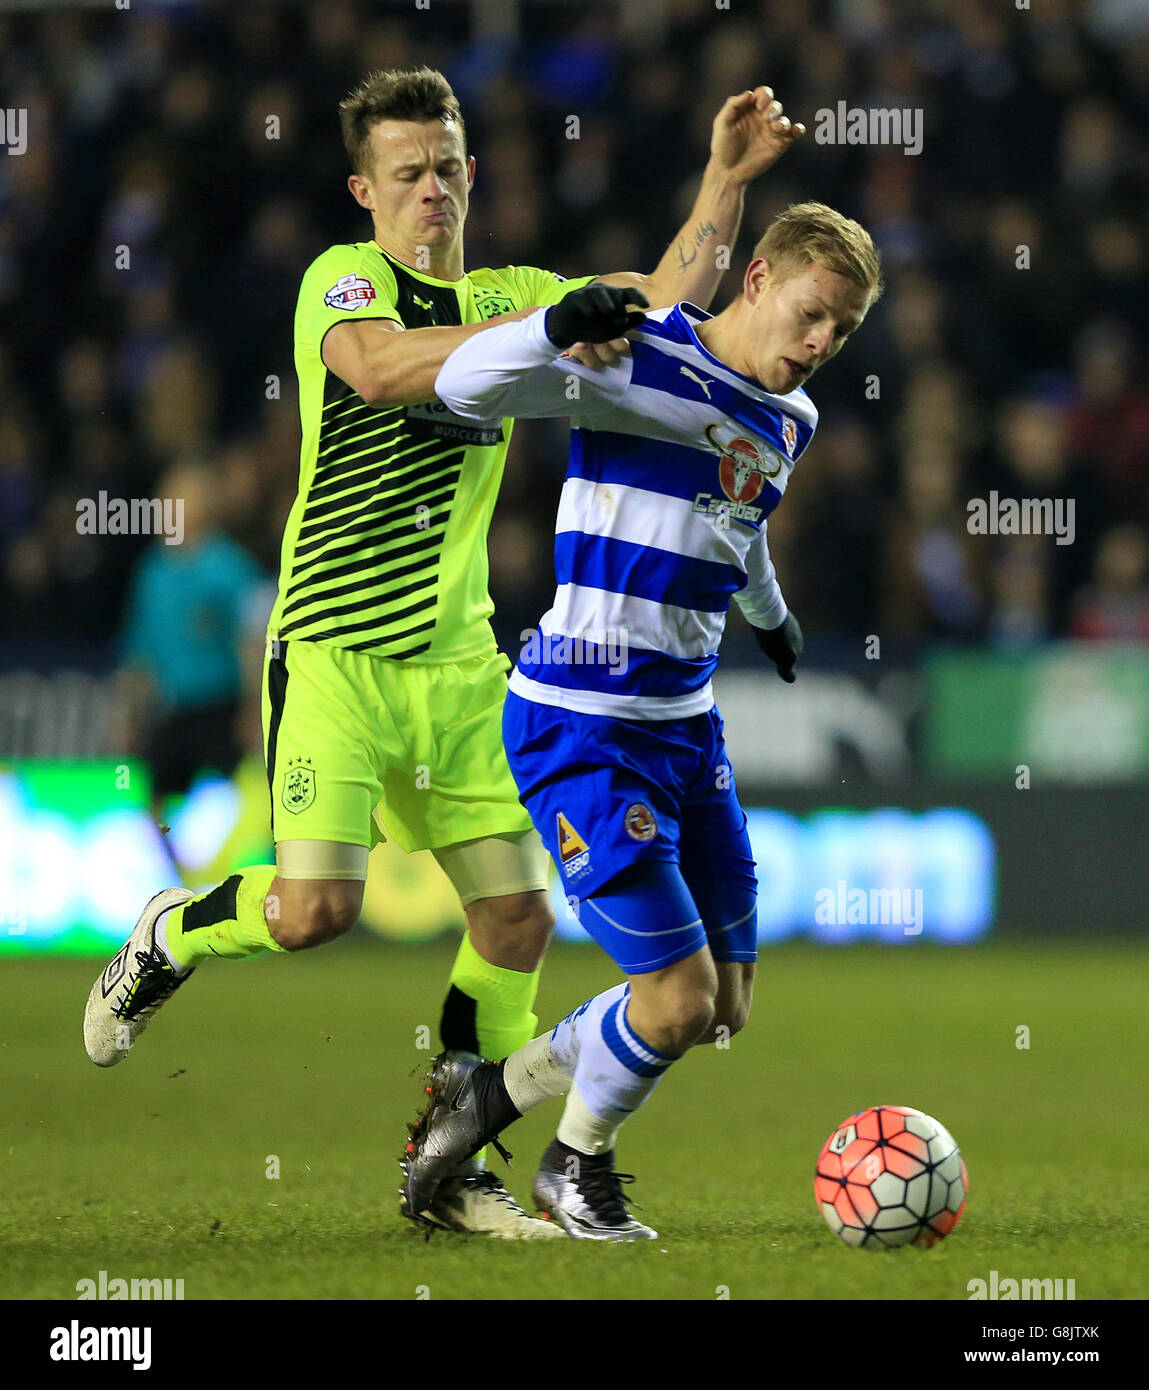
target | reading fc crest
[{"x": 640, "y": 822}]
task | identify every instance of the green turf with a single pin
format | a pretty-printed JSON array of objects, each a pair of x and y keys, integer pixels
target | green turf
[{"x": 158, "y": 1168}]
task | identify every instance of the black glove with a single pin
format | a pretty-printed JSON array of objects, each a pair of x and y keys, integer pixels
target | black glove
[
  {"x": 783, "y": 645},
  {"x": 595, "y": 314}
]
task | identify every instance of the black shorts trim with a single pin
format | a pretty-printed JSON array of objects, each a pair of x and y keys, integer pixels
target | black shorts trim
[{"x": 277, "y": 694}]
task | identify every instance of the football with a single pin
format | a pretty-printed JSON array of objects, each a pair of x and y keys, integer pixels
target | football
[{"x": 890, "y": 1175}]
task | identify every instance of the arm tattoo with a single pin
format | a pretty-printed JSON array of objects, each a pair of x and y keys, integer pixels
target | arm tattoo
[{"x": 688, "y": 252}]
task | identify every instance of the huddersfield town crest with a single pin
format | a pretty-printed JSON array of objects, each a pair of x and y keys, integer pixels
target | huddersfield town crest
[
  {"x": 490, "y": 306},
  {"x": 298, "y": 786}
]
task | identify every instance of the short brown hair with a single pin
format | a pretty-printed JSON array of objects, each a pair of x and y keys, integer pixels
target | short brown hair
[
  {"x": 416, "y": 94},
  {"x": 814, "y": 234}
]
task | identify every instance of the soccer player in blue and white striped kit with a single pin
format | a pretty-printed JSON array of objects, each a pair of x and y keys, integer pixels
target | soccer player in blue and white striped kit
[{"x": 680, "y": 449}]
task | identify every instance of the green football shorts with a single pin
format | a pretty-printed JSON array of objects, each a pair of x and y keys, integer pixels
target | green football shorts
[{"x": 361, "y": 749}]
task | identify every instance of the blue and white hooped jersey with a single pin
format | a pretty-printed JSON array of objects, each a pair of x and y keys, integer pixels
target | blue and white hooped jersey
[{"x": 676, "y": 461}]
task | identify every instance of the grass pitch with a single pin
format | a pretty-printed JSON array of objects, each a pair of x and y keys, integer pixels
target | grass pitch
[{"x": 159, "y": 1167}]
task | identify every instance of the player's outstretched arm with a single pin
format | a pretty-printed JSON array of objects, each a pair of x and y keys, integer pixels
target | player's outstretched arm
[
  {"x": 521, "y": 370},
  {"x": 749, "y": 135},
  {"x": 391, "y": 366}
]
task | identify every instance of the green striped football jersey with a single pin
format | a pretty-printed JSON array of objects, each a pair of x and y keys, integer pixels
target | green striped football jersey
[{"x": 385, "y": 548}]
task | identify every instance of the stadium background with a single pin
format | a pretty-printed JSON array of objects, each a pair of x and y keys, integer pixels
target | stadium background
[
  {"x": 1003, "y": 710},
  {"x": 170, "y": 376}
]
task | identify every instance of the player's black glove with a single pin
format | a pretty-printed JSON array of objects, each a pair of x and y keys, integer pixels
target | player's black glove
[
  {"x": 783, "y": 645},
  {"x": 594, "y": 314}
]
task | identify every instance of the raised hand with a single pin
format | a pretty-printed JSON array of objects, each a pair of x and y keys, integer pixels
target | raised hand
[{"x": 750, "y": 134}]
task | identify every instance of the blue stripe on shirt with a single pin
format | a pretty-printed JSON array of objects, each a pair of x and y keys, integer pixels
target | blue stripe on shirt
[
  {"x": 612, "y": 667},
  {"x": 674, "y": 470},
  {"x": 644, "y": 571}
]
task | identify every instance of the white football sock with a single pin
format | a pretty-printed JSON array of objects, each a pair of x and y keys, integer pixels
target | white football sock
[
  {"x": 615, "y": 1071},
  {"x": 567, "y": 1037},
  {"x": 545, "y": 1066},
  {"x": 582, "y": 1130},
  {"x": 532, "y": 1074}
]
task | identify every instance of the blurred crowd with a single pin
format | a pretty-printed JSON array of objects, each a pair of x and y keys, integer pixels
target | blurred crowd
[{"x": 183, "y": 166}]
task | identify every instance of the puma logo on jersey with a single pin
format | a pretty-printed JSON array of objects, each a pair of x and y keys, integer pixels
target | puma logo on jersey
[
  {"x": 423, "y": 303},
  {"x": 706, "y": 385}
]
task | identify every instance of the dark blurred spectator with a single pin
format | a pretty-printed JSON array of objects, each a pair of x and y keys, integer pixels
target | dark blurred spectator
[
  {"x": 1109, "y": 425},
  {"x": 1021, "y": 602},
  {"x": 931, "y": 579},
  {"x": 1033, "y": 461},
  {"x": 1115, "y": 607},
  {"x": 837, "y": 492}
]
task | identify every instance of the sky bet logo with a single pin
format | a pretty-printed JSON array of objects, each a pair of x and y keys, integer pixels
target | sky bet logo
[{"x": 349, "y": 292}]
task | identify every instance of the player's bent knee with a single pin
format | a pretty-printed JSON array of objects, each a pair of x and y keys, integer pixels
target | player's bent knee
[
  {"x": 730, "y": 1021},
  {"x": 315, "y": 913},
  {"x": 698, "y": 1016},
  {"x": 683, "y": 1018}
]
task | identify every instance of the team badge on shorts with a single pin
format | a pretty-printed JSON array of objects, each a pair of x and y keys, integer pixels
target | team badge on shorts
[
  {"x": 640, "y": 823},
  {"x": 574, "y": 854},
  {"x": 298, "y": 786}
]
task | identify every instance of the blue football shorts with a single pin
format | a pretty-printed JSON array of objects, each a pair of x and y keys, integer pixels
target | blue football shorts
[{"x": 643, "y": 821}]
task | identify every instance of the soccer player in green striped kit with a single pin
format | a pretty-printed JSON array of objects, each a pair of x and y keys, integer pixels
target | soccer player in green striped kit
[{"x": 383, "y": 687}]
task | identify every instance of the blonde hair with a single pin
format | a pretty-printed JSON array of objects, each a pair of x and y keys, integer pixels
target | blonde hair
[{"x": 814, "y": 234}]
